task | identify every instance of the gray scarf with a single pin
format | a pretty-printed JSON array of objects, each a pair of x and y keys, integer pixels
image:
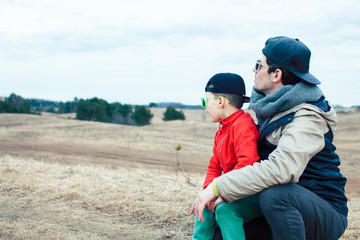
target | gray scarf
[{"x": 284, "y": 98}]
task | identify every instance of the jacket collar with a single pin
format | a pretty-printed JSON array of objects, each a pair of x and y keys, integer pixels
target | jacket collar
[{"x": 230, "y": 119}]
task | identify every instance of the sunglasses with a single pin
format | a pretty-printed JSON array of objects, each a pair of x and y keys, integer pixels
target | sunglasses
[
  {"x": 258, "y": 65},
  {"x": 204, "y": 100}
]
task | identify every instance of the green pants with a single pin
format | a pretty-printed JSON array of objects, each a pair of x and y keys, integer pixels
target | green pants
[{"x": 230, "y": 217}]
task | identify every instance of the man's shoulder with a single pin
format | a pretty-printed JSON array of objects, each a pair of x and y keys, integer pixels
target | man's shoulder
[
  {"x": 304, "y": 109},
  {"x": 305, "y": 113}
]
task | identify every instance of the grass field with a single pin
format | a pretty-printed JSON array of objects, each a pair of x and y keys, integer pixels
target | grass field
[{"x": 66, "y": 179}]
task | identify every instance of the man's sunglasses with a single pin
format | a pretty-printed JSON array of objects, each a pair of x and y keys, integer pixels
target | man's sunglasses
[
  {"x": 258, "y": 65},
  {"x": 204, "y": 100}
]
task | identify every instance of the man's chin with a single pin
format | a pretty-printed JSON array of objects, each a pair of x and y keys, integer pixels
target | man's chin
[{"x": 256, "y": 88}]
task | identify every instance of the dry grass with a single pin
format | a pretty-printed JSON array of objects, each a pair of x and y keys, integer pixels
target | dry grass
[
  {"x": 52, "y": 201},
  {"x": 103, "y": 181}
]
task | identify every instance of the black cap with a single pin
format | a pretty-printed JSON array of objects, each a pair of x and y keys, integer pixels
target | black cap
[
  {"x": 227, "y": 83},
  {"x": 292, "y": 55}
]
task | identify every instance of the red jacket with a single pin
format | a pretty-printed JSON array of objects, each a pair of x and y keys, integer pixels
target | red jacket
[{"x": 235, "y": 145}]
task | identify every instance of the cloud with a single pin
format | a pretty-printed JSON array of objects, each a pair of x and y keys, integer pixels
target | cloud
[{"x": 142, "y": 51}]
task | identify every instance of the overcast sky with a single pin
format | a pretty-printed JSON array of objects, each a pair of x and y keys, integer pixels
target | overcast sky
[{"x": 142, "y": 51}]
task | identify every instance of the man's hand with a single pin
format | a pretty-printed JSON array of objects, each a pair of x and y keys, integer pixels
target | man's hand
[
  {"x": 212, "y": 205},
  {"x": 206, "y": 198}
]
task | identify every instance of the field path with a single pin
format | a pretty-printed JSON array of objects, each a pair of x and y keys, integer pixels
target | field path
[{"x": 95, "y": 155}]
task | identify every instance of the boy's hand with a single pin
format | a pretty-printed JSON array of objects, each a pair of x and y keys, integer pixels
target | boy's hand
[{"x": 206, "y": 198}]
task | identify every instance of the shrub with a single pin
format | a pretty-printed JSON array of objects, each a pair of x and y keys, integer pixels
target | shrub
[
  {"x": 172, "y": 114},
  {"x": 94, "y": 109},
  {"x": 142, "y": 115},
  {"x": 120, "y": 113},
  {"x": 15, "y": 104},
  {"x": 153, "y": 105}
]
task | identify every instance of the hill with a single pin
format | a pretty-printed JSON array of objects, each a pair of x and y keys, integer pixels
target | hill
[{"x": 67, "y": 179}]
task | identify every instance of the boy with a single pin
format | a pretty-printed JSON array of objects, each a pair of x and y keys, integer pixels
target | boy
[{"x": 235, "y": 146}]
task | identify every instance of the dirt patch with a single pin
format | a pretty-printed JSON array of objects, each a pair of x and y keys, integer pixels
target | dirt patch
[{"x": 112, "y": 157}]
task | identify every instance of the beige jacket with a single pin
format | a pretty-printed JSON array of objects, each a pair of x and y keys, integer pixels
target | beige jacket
[{"x": 297, "y": 142}]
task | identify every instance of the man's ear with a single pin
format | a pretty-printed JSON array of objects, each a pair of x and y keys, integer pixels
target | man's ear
[{"x": 277, "y": 76}]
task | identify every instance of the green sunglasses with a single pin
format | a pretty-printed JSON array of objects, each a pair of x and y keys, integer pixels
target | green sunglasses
[{"x": 204, "y": 100}]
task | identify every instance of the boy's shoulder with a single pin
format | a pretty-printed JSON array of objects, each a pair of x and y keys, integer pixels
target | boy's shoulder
[
  {"x": 244, "y": 116},
  {"x": 239, "y": 119},
  {"x": 244, "y": 121}
]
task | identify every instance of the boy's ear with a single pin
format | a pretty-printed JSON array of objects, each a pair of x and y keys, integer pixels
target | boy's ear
[{"x": 221, "y": 103}]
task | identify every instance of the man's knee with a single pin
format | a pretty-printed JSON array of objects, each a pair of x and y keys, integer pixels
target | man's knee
[
  {"x": 268, "y": 197},
  {"x": 272, "y": 197}
]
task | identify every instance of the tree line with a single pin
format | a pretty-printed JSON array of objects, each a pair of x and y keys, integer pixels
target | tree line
[
  {"x": 14, "y": 104},
  {"x": 94, "y": 109}
]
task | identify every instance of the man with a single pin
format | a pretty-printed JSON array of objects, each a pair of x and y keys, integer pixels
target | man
[{"x": 298, "y": 181}]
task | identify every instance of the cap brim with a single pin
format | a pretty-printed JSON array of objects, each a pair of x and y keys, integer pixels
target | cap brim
[
  {"x": 307, "y": 77},
  {"x": 246, "y": 99}
]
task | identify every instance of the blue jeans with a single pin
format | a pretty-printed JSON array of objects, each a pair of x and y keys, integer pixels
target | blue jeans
[{"x": 293, "y": 212}]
